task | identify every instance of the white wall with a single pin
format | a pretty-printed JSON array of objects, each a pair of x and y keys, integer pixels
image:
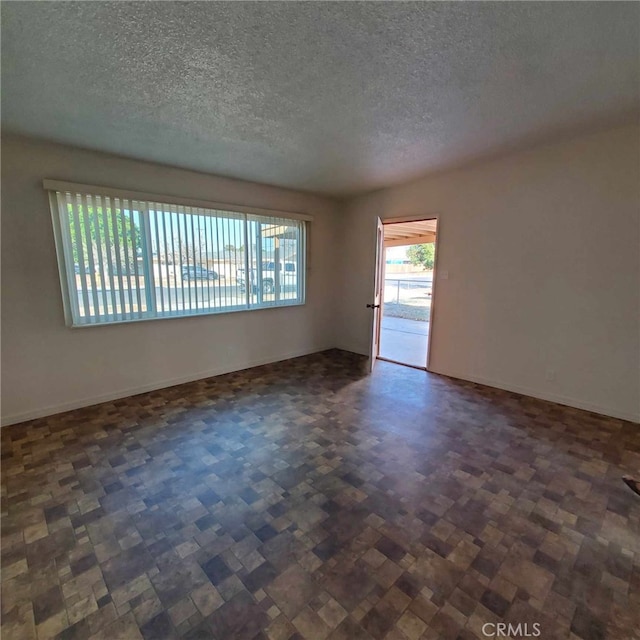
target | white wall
[
  {"x": 542, "y": 250},
  {"x": 47, "y": 367}
]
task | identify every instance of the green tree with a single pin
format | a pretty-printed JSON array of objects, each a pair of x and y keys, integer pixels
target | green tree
[
  {"x": 113, "y": 229},
  {"x": 422, "y": 254}
]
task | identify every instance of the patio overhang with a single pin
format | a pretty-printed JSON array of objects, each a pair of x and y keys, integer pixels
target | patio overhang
[
  {"x": 397, "y": 234},
  {"x": 280, "y": 231}
]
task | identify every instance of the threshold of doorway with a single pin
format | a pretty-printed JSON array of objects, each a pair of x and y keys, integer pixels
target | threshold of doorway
[{"x": 403, "y": 364}]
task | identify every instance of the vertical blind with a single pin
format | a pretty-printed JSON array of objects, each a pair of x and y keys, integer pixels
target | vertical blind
[{"x": 125, "y": 259}]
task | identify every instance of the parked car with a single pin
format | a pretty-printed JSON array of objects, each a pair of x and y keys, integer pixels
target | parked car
[
  {"x": 288, "y": 277},
  {"x": 198, "y": 273}
]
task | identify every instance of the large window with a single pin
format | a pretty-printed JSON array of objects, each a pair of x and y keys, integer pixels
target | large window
[{"x": 133, "y": 258}]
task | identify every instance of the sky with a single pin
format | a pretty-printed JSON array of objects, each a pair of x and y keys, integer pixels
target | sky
[{"x": 396, "y": 254}]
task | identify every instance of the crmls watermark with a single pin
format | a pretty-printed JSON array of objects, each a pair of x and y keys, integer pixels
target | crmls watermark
[{"x": 503, "y": 629}]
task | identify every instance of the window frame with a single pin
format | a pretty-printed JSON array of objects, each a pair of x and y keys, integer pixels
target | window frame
[{"x": 66, "y": 266}]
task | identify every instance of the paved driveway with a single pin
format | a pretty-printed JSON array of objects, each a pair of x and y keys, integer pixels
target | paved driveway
[{"x": 404, "y": 340}]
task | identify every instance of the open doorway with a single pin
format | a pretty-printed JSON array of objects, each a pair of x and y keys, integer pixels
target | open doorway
[{"x": 408, "y": 266}]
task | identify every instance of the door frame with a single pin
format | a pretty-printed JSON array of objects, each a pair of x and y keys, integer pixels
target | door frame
[
  {"x": 399, "y": 219},
  {"x": 378, "y": 295}
]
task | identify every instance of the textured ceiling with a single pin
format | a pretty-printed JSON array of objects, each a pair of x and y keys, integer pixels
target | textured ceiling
[{"x": 328, "y": 97}]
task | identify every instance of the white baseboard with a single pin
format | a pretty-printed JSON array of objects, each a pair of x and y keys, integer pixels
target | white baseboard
[
  {"x": 544, "y": 395},
  {"x": 154, "y": 386},
  {"x": 163, "y": 384},
  {"x": 527, "y": 391},
  {"x": 351, "y": 349}
]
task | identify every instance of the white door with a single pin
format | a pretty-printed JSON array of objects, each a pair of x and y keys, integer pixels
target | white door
[{"x": 378, "y": 289}]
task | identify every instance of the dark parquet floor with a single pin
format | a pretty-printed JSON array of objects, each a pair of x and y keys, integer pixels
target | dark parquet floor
[{"x": 307, "y": 500}]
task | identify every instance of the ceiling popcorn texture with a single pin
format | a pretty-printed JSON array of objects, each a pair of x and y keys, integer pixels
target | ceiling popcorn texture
[{"x": 335, "y": 98}]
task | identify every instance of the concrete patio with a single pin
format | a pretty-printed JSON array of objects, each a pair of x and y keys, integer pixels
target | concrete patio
[{"x": 404, "y": 340}]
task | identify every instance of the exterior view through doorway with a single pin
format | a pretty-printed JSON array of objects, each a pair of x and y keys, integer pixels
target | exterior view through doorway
[{"x": 404, "y": 280}]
